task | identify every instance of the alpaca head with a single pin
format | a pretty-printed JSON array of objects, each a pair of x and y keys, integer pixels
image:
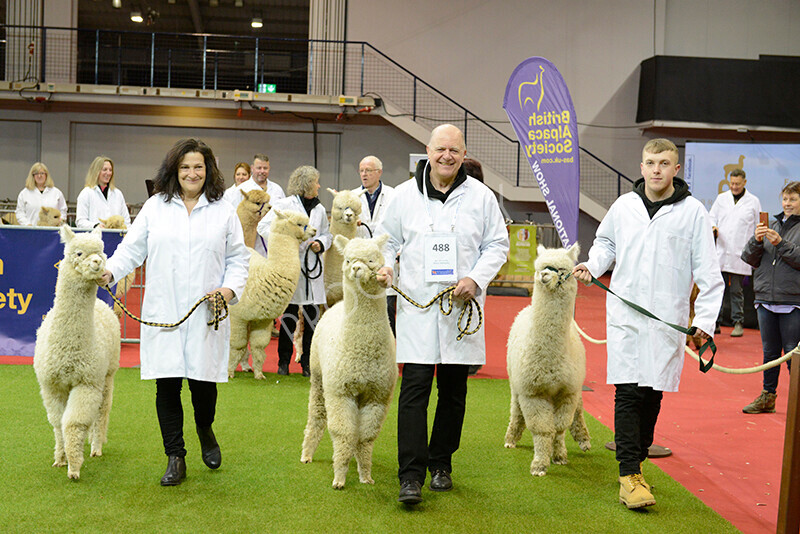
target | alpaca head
[
  {"x": 83, "y": 252},
  {"x": 114, "y": 222},
  {"x": 554, "y": 267},
  {"x": 292, "y": 223},
  {"x": 362, "y": 259},
  {"x": 253, "y": 207},
  {"x": 346, "y": 206},
  {"x": 49, "y": 217}
]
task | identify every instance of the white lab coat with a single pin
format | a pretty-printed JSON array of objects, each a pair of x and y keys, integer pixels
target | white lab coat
[
  {"x": 373, "y": 220},
  {"x": 736, "y": 223},
  {"x": 319, "y": 220},
  {"x": 30, "y": 201},
  {"x": 187, "y": 256},
  {"x": 93, "y": 206},
  {"x": 427, "y": 336},
  {"x": 234, "y": 196},
  {"x": 656, "y": 262}
]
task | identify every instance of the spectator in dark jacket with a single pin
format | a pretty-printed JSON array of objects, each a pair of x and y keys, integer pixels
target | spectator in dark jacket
[{"x": 776, "y": 281}]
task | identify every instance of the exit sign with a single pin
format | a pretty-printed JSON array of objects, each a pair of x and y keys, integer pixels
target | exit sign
[{"x": 267, "y": 87}]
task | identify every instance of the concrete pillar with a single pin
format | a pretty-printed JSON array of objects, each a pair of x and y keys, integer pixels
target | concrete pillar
[{"x": 327, "y": 20}]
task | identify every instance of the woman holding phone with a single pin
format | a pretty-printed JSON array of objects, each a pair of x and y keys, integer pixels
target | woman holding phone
[{"x": 774, "y": 252}]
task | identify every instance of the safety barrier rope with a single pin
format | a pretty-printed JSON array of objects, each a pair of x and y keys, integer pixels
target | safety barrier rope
[
  {"x": 446, "y": 310},
  {"x": 219, "y": 305}
]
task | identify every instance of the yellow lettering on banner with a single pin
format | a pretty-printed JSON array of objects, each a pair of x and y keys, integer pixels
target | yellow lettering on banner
[
  {"x": 16, "y": 301},
  {"x": 1, "y": 266}
]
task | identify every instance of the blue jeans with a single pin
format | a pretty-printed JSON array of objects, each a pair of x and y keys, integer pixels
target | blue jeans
[
  {"x": 735, "y": 294},
  {"x": 780, "y": 332}
]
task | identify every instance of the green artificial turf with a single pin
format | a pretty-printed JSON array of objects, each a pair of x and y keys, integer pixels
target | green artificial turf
[{"x": 263, "y": 487}]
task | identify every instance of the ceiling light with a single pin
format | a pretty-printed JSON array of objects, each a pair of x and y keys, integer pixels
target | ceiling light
[
  {"x": 238, "y": 3},
  {"x": 116, "y": 4},
  {"x": 136, "y": 16},
  {"x": 213, "y": 3},
  {"x": 256, "y": 22}
]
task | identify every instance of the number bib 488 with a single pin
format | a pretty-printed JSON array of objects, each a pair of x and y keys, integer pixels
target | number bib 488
[{"x": 440, "y": 257}]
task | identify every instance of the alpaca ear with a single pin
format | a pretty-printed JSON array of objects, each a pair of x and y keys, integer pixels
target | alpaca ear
[
  {"x": 104, "y": 221},
  {"x": 340, "y": 242},
  {"x": 66, "y": 233},
  {"x": 97, "y": 232},
  {"x": 573, "y": 252},
  {"x": 362, "y": 192},
  {"x": 246, "y": 195},
  {"x": 279, "y": 214},
  {"x": 333, "y": 192},
  {"x": 540, "y": 250},
  {"x": 381, "y": 240}
]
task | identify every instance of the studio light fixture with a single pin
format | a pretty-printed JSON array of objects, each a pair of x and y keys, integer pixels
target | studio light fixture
[
  {"x": 136, "y": 16},
  {"x": 238, "y": 3},
  {"x": 116, "y": 4},
  {"x": 256, "y": 22}
]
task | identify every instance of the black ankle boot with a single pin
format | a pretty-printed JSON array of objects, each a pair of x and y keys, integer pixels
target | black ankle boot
[
  {"x": 212, "y": 456},
  {"x": 176, "y": 471}
]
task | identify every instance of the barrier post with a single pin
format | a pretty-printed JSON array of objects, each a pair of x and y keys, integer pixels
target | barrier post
[{"x": 788, "y": 510}]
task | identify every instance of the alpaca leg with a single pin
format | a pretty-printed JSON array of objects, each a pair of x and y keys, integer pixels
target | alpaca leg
[
  {"x": 578, "y": 428},
  {"x": 315, "y": 426},
  {"x": 99, "y": 431},
  {"x": 516, "y": 423},
  {"x": 560, "y": 448},
  {"x": 83, "y": 407},
  {"x": 342, "y": 425},
  {"x": 370, "y": 421},
  {"x": 539, "y": 420},
  {"x": 55, "y": 402},
  {"x": 238, "y": 349},
  {"x": 260, "y": 336},
  {"x": 563, "y": 413}
]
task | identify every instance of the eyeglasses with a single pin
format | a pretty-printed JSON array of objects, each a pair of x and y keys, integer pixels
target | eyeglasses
[
  {"x": 40, "y": 174},
  {"x": 368, "y": 171}
]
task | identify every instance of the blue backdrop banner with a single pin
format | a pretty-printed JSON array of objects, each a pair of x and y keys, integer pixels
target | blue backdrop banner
[
  {"x": 29, "y": 260},
  {"x": 540, "y": 109}
]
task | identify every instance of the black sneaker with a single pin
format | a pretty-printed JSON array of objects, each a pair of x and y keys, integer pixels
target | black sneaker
[{"x": 410, "y": 492}]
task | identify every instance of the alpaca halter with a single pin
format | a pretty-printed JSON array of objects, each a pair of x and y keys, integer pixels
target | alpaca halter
[
  {"x": 446, "y": 310},
  {"x": 220, "y": 307},
  {"x": 563, "y": 274}
]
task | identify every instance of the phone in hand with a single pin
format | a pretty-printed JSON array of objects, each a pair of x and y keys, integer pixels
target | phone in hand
[{"x": 763, "y": 218}]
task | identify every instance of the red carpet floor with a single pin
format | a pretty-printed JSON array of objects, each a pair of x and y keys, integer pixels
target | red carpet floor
[{"x": 730, "y": 460}]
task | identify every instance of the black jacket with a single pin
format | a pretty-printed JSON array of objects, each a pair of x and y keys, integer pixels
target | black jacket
[{"x": 776, "y": 279}]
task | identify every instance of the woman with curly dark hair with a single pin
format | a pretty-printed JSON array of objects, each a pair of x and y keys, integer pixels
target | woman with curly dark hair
[{"x": 194, "y": 246}]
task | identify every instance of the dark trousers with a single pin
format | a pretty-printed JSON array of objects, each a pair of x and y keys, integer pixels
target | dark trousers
[
  {"x": 735, "y": 293},
  {"x": 288, "y": 325},
  {"x": 779, "y": 332},
  {"x": 635, "y": 413},
  {"x": 170, "y": 410},
  {"x": 391, "y": 309},
  {"x": 415, "y": 454}
]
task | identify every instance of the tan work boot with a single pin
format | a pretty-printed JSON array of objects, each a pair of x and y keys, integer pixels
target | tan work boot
[
  {"x": 738, "y": 330},
  {"x": 644, "y": 483},
  {"x": 764, "y": 403},
  {"x": 632, "y": 492}
]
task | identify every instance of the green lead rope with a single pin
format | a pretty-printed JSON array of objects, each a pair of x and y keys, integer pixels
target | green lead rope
[{"x": 704, "y": 367}]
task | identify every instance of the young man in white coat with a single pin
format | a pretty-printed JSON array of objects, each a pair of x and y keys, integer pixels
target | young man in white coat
[
  {"x": 259, "y": 180},
  {"x": 734, "y": 216},
  {"x": 373, "y": 205},
  {"x": 451, "y": 231},
  {"x": 661, "y": 239}
]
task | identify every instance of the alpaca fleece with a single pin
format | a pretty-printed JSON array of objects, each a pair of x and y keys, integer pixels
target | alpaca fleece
[
  {"x": 345, "y": 212},
  {"x": 77, "y": 353},
  {"x": 250, "y": 210},
  {"x": 353, "y": 370},
  {"x": 547, "y": 364}
]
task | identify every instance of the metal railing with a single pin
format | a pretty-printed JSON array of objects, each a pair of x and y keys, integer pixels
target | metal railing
[{"x": 318, "y": 67}]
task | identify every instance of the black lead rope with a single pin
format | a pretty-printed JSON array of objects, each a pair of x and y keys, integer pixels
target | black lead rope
[
  {"x": 709, "y": 344},
  {"x": 313, "y": 272},
  {"x": 368, "y": 229}
]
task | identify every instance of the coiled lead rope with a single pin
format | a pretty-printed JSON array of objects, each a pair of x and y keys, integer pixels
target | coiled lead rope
[
  {"x": 447, "y": 309},
  {"x": 219, "y": 306}
]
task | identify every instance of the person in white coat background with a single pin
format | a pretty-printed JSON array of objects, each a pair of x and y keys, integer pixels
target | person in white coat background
[
  {"x": 373, "y": 205},
  {"x": 258, "y": 180},
  {"x": 303, "y": 189},
  {"x": 446, "y": 211},
  {"x": 39, "y": 191},
  {"x": 194, "y": 246},
  {"x": 661, "y": 239},
  {"x": 100, "y": 198},
  {"x": 734, "y": 216}
]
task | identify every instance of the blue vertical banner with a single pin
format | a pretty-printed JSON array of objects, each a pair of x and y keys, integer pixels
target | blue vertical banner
[
  {"x": 29, "y": 259},
  {"x": 540, "y": 109}
]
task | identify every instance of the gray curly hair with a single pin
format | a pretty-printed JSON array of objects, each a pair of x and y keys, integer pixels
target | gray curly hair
[{"x": 301, "y": 179}]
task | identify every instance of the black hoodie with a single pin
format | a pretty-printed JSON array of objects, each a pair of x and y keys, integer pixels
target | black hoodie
[
  {"x": 681, "y": 192},
  {"x": 434, "y": 193}
]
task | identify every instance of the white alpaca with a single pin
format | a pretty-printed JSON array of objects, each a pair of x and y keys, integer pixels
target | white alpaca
[
  {"x": 344, "y": 221},
  {"x": 77, "y": 353},
  {"x": 353, "y": 369},
  {"x": 547, "y": 364},
  {"x": 271, "y": 282},
  {"x": 117, "y": 222}
]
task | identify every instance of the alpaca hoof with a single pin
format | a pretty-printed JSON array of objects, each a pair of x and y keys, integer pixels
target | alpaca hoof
[
  {"x": 560, "y": 461},
  {"x": 74, "y": 475},
  {"x": 585, "y": 445},
  {"x": 258, "y": 375},
  {"x": 305, "y": 459},
  {"x": 338, "y": 484},
  {"x": 59, "y": 463},
  {"x": 538, "y": 471},
  {"x": 231, "y": 375},
  {"x": 98, "y": 452},
  {"x": 366, "y": 480},
  {"x": 510, "y": 445}
]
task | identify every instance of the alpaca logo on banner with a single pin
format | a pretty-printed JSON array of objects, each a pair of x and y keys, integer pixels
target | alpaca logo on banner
[{"x": 539, "y": 107}]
